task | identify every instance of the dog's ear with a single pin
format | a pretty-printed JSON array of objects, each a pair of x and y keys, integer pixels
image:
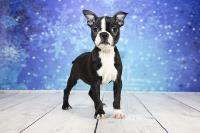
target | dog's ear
[
  {"x": 119, "y": 17},
  {"x": 90, "y": 16}
]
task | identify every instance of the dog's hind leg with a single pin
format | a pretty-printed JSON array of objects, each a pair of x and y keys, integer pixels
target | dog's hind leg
[{"x": 70, "y": 84}]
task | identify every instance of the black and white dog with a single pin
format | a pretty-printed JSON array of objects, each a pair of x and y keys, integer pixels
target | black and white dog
[{"x": 102, "y": 65}]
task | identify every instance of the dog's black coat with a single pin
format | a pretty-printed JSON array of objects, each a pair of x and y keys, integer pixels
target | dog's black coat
[{"x": 85, "y": 67}]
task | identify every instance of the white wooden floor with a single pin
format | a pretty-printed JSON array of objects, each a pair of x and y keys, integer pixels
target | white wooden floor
[{"x": 146, "y": 112}]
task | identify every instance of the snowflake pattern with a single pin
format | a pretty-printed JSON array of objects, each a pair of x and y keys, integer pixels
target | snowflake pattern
[{"x": 159, "y": 43}]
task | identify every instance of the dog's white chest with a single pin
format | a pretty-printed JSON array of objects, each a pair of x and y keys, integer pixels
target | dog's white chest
[{"x": 107, "y": 71}]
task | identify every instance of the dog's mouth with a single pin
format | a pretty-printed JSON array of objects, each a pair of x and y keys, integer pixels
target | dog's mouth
[
  {"x": 104, "y": 43},
  {"x": 105, "y": 46}
]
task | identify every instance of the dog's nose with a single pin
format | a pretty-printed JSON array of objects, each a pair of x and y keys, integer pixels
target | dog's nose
[{"x": 104, "y": 35}]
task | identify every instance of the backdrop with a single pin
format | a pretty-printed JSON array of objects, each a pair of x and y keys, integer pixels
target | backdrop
[{"x": 159, "y": 44}]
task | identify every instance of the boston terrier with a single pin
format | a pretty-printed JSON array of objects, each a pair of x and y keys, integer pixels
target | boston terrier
[{"x": 102, "y": 65}]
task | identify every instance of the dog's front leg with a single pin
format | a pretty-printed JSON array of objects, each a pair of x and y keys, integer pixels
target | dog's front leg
[
  {"x": 99, "y": 112},
  {"x": 118, "y": 114}
]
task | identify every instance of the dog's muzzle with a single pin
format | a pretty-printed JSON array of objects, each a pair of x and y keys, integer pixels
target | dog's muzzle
[{"x": 104, "y": 38}]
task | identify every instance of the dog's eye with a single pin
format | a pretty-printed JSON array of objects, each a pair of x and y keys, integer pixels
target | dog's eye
[
  {"x": 95, "y": 29},
  {"x": 114, "y": 29}
]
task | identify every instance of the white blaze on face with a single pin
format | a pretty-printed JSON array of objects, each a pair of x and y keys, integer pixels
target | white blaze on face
[
  {"x": 98, "y": 39},
  {"x": 103, "y": 25},
  {"x": 107, "y": 71}
]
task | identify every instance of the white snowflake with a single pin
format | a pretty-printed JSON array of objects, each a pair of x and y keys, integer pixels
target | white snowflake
[{"x": 10, "y": 53}]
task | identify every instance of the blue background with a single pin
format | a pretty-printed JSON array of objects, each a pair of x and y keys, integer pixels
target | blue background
[{"x": 159, "y": 44}]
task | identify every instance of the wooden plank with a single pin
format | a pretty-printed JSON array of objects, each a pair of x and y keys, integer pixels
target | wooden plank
[
  {"x": 15, "y": 119},
  {"x": 5, "y": 95},
  {"x": 30, "y": 91},
  {"x": 80, "y": 119},
  {"x": 173, "y": 115},
  {"x": 14, "y": 100},
  {"x": 191, "y": 99},
  {"x": 137, "y": 119}
]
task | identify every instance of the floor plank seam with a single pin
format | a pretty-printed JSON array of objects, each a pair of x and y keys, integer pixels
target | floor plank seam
[
  {"x": 40, "y": 117},
  {"x": 95, "y": 129},
  {"x": 150, "y": 113},
  {"x": 173, "y": 98},
  {"x": 8, "y": 96},
  {"x": 11, "y": 106}
]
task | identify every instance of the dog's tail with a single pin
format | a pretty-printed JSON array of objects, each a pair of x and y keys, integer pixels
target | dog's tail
[
  {"x": 79, "y": 57},
  {"x": 75, "y": 60}
]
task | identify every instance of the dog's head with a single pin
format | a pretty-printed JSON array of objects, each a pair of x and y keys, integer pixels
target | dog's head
[{"x": 105, "y": 31}]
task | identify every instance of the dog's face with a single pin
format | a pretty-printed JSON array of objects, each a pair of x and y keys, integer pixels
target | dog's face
[{"x": 105, "y": 31}]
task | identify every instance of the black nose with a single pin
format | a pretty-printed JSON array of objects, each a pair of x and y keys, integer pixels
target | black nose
[{"x": 104, "y": 35}]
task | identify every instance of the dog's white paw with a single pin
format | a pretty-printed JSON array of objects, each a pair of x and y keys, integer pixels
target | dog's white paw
[
  {"x": 101, "y": 116},
  {"x": 118, "y": 114}
]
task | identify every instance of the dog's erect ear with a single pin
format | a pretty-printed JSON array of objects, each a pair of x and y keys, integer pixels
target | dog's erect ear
[
  {"x": 119, "y": 17},
  {"x": 91, "y": 17}
]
